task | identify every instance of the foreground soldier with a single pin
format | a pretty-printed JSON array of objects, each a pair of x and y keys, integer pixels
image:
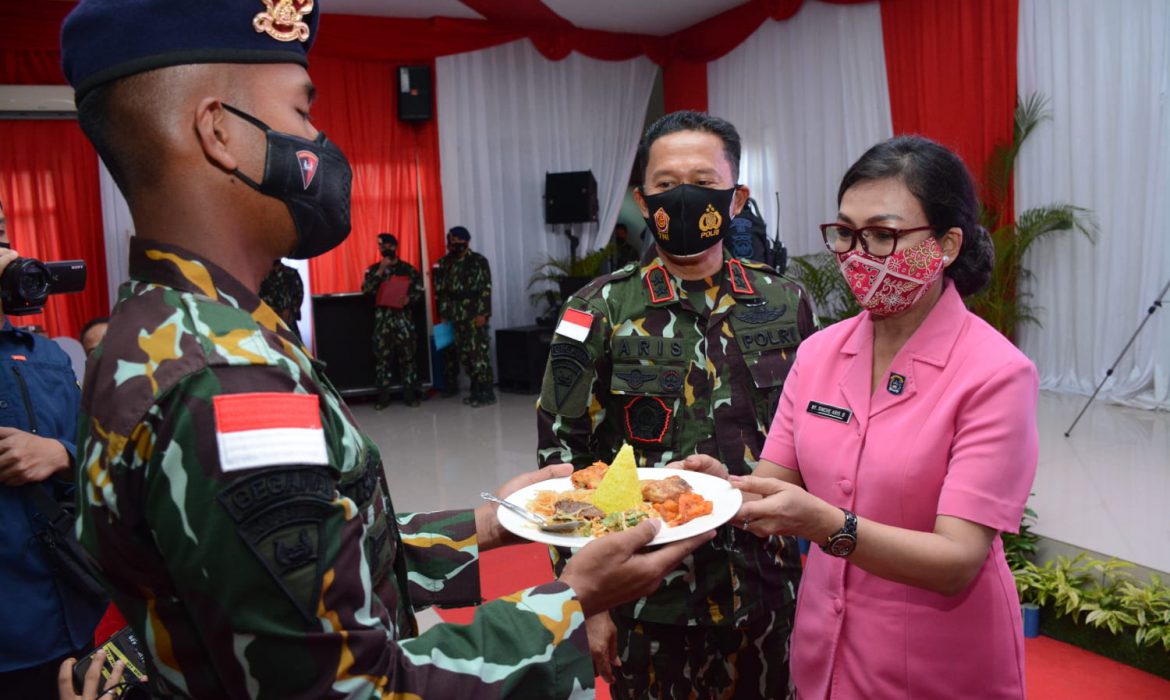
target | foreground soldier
[
  {"x": 685, "y": 354},
  {"x": 241, "y": 518}
]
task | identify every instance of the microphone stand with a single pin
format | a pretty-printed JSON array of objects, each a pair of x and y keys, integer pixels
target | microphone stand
[{"x": 1109, "y": 373}]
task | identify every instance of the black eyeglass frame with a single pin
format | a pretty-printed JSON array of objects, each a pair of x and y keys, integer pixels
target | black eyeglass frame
[{"x": 896, "y": 233}]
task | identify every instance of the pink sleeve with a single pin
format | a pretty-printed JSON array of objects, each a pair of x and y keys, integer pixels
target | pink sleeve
[
  {"x": 780, "y": 447},
  {"x": 994, "y": 452}
]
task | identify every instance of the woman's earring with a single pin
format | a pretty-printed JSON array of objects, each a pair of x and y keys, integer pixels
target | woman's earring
[{"x": 946, "y": 259}]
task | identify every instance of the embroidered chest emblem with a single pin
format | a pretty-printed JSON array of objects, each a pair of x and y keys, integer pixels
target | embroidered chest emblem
[
  {"x": 283, "y": 20},
  {"x": 755, "y": 312}
]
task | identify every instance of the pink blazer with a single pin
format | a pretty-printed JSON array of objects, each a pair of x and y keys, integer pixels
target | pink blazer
[{"x": 954, "y": 433}]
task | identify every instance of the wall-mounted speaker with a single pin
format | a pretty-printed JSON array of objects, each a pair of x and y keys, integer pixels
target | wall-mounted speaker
[
  {"x": 414, "y": 93},
  {"x": 570, "y": 198}
]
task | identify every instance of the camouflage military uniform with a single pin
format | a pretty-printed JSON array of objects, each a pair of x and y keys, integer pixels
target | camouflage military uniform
[
  {"x": 463, "y": 289},
  {"x": 395, "y": 340},
  {"x": 259, "y": 573},
  {"x": 676, "y": 368},
  {"x": 283, "y": 290}
]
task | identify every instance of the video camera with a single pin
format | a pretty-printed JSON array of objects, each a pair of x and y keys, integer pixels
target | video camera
[{"x": 26, "y": 283}]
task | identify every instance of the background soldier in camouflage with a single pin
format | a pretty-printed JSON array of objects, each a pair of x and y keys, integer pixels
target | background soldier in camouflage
[
  {"x": 685, "y": 354},
  {"x": 283, "y": 290},
  {"x": 463, "y": 289},
  {"x": 395, "y": 341},
  {"x": 240, "y": 517}
]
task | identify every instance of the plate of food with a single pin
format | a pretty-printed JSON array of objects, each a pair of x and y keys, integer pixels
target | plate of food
[{"x": 602, "y": 499}]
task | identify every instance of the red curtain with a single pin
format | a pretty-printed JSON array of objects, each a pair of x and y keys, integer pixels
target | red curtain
[
  {"x": 49, "y": 186},
  {"x": 952, "y": 73},
  {"x": 357, "y": 110}
]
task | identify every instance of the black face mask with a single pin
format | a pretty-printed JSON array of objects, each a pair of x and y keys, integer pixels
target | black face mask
[
  {"x": 689, "y": 219},
  {"x": 456, "y": 248},
  {"x": 389, "y": 252},
  {"x": 313, "y": 179}
]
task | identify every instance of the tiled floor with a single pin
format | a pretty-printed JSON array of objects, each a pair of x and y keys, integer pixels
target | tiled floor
[{"x": 1105, "y": 488}]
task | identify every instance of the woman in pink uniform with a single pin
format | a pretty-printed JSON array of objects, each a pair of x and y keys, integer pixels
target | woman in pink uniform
[{"x": 905, "y": 441}]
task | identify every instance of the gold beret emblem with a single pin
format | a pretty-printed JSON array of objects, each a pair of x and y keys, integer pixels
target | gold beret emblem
[{"x": 283, "y": 19}]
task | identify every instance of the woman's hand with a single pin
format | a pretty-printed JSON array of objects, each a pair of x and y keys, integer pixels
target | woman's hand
[
  {"x": 782, "y": 508},
  {"x": 705, "y": 464}
]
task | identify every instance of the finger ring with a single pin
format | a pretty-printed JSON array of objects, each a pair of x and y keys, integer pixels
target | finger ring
[{"x": 747, "y": 521}]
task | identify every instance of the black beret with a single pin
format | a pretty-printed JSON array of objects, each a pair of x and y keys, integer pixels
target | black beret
[
  {"x": 104, "y": 40},
  {"x": 460, "y": 232},
  {"x": 387, "y": 239}
]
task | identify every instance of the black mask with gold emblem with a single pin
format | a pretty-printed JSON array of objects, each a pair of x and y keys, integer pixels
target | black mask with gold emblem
[{"x": 689, "y": 219}]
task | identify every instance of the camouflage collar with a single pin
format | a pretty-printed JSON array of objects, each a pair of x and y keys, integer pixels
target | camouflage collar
[
  {"x": 170, "y": 266},
  {"x": 660, "y": 285},
  {"x": 177, "y": 268}
]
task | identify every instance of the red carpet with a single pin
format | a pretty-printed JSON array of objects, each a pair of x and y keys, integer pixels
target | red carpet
[{"x": 1056, "y": 671}]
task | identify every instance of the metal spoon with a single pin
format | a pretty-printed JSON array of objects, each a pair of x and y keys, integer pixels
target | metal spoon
[{"x": 531, "y": 517}]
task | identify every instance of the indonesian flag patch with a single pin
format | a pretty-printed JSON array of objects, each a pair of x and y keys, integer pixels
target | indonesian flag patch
[
  {"x": 263, "y": 430},
  {"x": 575, "y": 324}
]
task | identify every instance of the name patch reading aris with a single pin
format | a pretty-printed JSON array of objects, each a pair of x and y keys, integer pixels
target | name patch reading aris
[{"x": 824, "y": 410}]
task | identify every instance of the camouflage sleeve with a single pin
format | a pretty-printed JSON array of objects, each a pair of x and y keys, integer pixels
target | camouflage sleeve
[
  {"x": 441, "y": 553},
  {"x": 372, "y": 280},
  {"x": 483, "y": 289},
  {"x": 268, "y": 584},
  {"x": 441, "y": 294},
  {"x": 416, "y": 285},
  {"x": 571, "y": 411}
]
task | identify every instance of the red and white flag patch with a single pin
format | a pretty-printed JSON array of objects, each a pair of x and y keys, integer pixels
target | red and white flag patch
[
  {"x": 575, "y": 324},
  {"x": 262, "y": 430}
]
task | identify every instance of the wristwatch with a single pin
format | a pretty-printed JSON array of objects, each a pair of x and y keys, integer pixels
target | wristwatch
[{"x": 842, "y": 542}]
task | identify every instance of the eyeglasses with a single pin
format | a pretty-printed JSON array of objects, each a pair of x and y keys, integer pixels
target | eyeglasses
[{"x": 878, "y": 241}]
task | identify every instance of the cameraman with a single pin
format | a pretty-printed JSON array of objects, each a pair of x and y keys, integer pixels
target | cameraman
[{"x": 44, "y": 620}]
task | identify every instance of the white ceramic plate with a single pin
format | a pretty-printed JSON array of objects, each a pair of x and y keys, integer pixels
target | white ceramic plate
[{"x": 725, "y": 504}]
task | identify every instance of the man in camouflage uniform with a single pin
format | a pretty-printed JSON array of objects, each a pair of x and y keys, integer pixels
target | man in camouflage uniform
[
  {"x": 685, "y": 354},
  {"x": 283, "y": 290},
  {"x": 395, "y": 342},
  {"x": 240, "y": 517},
  {"x": 623, "y": 252},
  {"x": 463, "y": 289}
]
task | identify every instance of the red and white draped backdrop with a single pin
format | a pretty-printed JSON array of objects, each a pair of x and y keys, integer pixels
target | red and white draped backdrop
[{"x": 951, "y": 68}]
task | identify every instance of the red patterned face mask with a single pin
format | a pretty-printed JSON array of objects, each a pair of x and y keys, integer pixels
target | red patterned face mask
[{"x": 889, "y": 285}]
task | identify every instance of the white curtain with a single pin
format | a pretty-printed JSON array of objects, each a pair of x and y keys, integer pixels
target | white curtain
[
  {"x": 808, "y": 97},
  {"x": 507, "y": 116},
  {"x": 1106, "y": 68},
  {"x": 118, "y": 228}
]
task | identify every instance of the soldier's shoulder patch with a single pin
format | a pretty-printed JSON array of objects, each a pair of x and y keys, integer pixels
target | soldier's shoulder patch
[
  {"x": 280, "y": 515},
  {"x": 567, "y": 379}
]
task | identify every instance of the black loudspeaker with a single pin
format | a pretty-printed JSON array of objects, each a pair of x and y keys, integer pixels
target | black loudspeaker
[
  {"x": 521, "y": 354},
  {"x": 343, "y": 331},
  {"x": 414, "y": 93},
  {"x": 570, "y": 198}
]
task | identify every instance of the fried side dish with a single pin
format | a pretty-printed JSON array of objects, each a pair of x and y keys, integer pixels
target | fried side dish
[
  {"x": 590, "y": 477},
  {"x": 663, "y": 490}
]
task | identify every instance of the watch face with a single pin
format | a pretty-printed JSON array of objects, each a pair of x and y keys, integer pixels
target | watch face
[{"x": 842, "y": 545}]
